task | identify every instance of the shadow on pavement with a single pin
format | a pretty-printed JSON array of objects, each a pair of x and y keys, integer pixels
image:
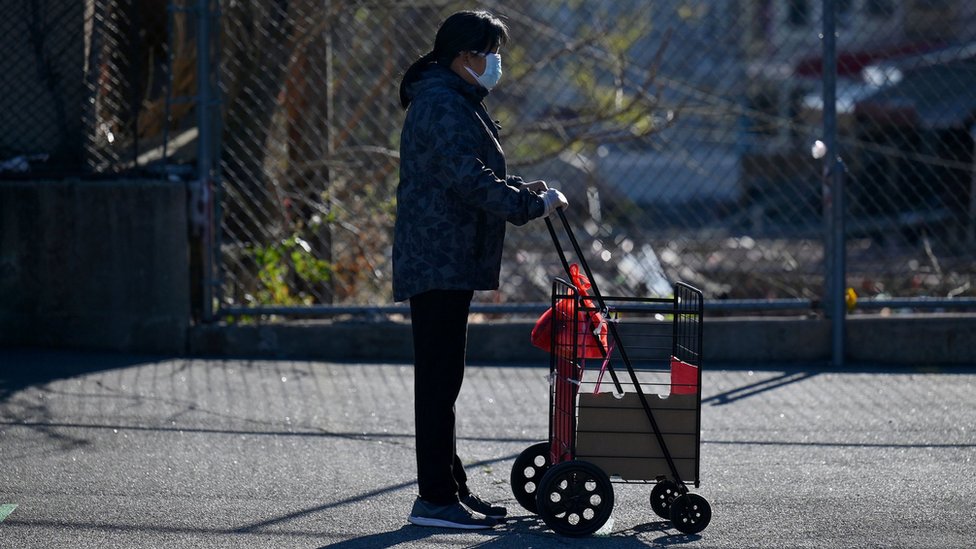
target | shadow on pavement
[
  {"x": 791, "y": 374},
  {"x": 522, "y": 531},
  {"x": 404, "y": 534},
  {"x": 22, "y": 368},
  {"x": 756, "y": 388}
]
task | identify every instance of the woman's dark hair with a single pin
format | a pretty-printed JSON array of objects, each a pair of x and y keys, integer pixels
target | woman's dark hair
[{"x": 464, "y": 31}]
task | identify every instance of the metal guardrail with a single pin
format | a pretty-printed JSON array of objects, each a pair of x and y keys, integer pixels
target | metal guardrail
[{"x": 535, "y": 308}]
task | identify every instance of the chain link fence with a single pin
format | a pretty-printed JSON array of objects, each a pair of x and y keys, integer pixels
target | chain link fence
[
  {"x": 682, "y": 132},
  {"x": 85, "y": 87}
]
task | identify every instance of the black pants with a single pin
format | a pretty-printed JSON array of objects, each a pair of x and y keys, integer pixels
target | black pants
[{"x": 440, "y": 327}]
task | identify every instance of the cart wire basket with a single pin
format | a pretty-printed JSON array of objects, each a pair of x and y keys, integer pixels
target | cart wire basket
[{"x": 624, "y": 404}]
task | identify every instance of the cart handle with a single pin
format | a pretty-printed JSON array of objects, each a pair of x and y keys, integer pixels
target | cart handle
[
  {"x": 604, "y": 310},
  {"x": 577, "y": 250}
]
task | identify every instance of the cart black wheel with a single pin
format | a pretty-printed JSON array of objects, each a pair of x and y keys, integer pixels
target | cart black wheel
[
  {"x": 575, "y": 498},
  {"x": 527, "y": 472},
  {"x": 690, "y": 513},
  {"x": 662, "y": 495}
]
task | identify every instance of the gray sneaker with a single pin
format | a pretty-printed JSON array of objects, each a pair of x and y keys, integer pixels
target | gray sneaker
[
  {"x": 454, "y": 515},
  {"x": 479, "y": 505}
]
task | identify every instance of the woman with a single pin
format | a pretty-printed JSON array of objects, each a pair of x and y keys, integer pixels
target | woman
[{"x": 453, "y": 201}]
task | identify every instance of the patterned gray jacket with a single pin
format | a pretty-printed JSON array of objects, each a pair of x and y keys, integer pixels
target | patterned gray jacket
[{"x": 454, "y": 195}]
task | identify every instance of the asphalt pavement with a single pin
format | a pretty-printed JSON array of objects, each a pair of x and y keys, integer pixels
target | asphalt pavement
[{"x": 110, "y": 451}]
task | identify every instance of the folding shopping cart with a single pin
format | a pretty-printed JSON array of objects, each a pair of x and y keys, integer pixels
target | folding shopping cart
[{"x": 639, "y": 423}]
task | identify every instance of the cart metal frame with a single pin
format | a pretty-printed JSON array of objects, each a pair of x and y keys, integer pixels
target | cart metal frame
[{"x": 572, "y": 491}]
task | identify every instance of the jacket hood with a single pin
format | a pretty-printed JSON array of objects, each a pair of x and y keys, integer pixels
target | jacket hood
[{"x": 437, "y": 77}]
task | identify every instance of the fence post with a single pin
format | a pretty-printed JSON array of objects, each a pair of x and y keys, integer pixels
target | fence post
[
  {"x": 205, "y": 154},
  {"x": 971, "y": 221},
  {"x": 833, "y": 188}
]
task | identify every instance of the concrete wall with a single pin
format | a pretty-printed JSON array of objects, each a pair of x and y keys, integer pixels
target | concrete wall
[
  {"x": 916, "y": 340},
  {"x": 94, "y": 264}
]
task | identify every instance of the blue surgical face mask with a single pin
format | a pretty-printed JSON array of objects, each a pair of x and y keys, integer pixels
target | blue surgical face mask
[{"x": 493, "y": 71}]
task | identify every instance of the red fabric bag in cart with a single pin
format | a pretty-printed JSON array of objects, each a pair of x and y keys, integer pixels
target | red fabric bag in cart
[{"x": 590, "y": 324}]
